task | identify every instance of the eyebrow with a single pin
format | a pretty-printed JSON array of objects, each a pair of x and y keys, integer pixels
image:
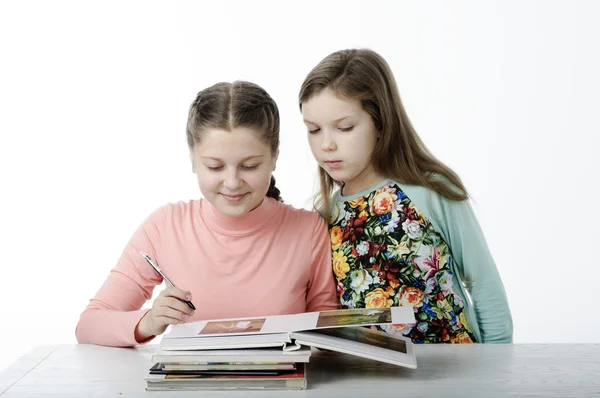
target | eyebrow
[
  {"x": 335, "y": 121},
  {"x": 243, "y": 160}
]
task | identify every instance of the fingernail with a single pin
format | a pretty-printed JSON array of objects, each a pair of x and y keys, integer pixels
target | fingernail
[
  {"x": 188, "y": 297},
  {"x": 185, "y": 317}
]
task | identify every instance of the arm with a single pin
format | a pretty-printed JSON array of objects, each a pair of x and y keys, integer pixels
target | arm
[
  {"x": 112, "y": 315},
  {"x": 321, "y": 293},
  {"x": 473, "y": 259}
]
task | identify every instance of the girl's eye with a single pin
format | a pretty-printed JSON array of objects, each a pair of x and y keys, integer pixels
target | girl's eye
[
  {"x": 250, "y": 167},
  {"x": 346, "y": 129},
  {"x": 214, "y": 168},
  {"x": 313, "y": 131}
]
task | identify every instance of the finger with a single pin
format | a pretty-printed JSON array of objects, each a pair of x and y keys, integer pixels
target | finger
[
  {"x": 176, "y": 304},
  {"x": 170, "y": 315},
  {"x": 176, "y": 292},
  {"x": 173, "y": 304},
  {"x": 163, "y": 321}
]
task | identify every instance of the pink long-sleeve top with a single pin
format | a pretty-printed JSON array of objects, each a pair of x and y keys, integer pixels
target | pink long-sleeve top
[{"x": 274, "y": 260}]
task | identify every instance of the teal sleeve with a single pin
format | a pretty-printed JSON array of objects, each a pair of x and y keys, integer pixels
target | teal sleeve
[{"x": 460, "y": 229}]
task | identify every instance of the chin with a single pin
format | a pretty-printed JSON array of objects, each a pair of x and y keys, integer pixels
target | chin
[
  {"x": 237, "y": 208},
  {"x": 340, "y": 176}
]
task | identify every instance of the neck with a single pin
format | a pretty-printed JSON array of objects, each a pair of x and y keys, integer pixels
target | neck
[
  {"x": 367, "y": 178},
  {"x": 239, "y": 225}
]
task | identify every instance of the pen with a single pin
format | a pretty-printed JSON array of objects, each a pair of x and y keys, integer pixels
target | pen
[{"x": 153, "y": 265}]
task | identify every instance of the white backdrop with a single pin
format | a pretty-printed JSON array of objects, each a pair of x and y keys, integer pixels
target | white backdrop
[{"x": 93, "y": 104}]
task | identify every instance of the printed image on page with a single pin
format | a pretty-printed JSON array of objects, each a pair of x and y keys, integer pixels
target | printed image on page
[
  {"x": 235, "y": 326},
  {"x": 245, "y": 326},
  {"x": 355, "y": 317}
]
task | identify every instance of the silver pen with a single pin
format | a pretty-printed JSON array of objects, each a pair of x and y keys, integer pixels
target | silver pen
[{"x": 155, "y": 266}]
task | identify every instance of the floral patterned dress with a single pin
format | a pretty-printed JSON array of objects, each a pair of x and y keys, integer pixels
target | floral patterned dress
[{"x": 386, "y": 253}]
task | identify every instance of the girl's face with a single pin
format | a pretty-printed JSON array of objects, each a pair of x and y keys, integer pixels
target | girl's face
[
  {"x": 342, "y": 137},
  {"x": 233, "y": 169}
]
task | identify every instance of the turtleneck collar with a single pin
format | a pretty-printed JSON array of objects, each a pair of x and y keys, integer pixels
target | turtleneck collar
[{"x": 239, "y": 225}]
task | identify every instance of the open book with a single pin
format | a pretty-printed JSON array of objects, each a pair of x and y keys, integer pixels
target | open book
[{"x": 336, "y": 330}]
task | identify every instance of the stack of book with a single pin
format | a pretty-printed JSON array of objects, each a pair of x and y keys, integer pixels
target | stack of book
[{"x": 272, "y": 352}]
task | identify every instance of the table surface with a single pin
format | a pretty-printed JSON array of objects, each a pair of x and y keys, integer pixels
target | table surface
[{"x": 480, "y": 370}]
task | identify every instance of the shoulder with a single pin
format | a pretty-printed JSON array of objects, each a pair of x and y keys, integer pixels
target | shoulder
[
  {"x": 435, "y": 206},
  {"x": 180, "y": 209},
  {"x": 301, "y": 219},
  {"x": 298, "y": 214}
]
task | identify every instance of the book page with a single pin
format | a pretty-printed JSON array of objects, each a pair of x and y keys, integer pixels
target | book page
[
  {"x": 362, "y": 342},
  {"x": 293, "y": 323}
]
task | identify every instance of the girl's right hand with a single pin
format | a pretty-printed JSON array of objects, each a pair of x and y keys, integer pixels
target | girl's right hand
[{"x": 167, "y": 309}]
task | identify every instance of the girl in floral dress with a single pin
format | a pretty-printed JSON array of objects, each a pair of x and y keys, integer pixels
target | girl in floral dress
[{"x": 402, "y": 230}]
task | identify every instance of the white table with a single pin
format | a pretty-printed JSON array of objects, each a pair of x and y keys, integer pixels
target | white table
[{"x": 554, "y": 370}]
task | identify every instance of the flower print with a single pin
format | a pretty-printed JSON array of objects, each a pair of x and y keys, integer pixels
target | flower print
[
  {"x": 340, "y": 265},
  {"x": 430, "y": 285},
  {"x": 400, "y": 194},
  {"x": 383, "y": 201},
  {"x": 411, "y": 296},
  {"x": 428, "y": 310},
  {"x": 445, "y": 281},
  {"x": 422, "y": 327},
  {"x": 376, "y": 279},
  {"x": 338, "y": 213},
  {"x": 363, "y": 215},
  {"x": 346, "y": 300},
  {"x": 360, "y": 280},
  {"x": 387, "y": 253},
  {"x": 413, "y": 214},
  {"x": 348, "y": 215},
  {"x": 357, "y": 223},
  {"x": 345, "y": 218},
  {"x": 462, "y": 338},
  {"x": 397, "y": 329},
  {"x": 429, "y": 265},
  {"x": 458, "y": 300},
  {"x": 420, "y": 285},
  {"x": 412, "y": 229},
  {"x": 443, "y": 309},
  {"x": 336, "y": 237},
  {"x": 362, "y": 248},
  {"x": 392, "y": 268},
  {"x": 392, "y": 280},
  {"x": 397, "y": 250},
  {"x": 390, "y": 291},
  {"x": 377, "y": 298},
  {"x": 356, "y": 297},
  {"x": 359, "y": 203},
  {"x": 385, "y": 218},
  {"x": 393, "y": 222}
]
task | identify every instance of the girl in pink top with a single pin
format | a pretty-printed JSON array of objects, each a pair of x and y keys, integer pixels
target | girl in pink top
[{"x": 238, "y": 252}]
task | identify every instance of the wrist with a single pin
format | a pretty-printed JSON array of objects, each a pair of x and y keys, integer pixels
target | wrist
[{"x": 143, "y": 330}]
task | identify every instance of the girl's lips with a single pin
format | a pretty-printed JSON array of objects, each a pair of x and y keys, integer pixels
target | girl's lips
[
  {"x": 333, "y": 164},
  {"x": 234, "y": 198}
]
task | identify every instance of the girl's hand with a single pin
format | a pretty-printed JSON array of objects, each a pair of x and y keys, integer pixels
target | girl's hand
[{"x": 167, "y": 309}]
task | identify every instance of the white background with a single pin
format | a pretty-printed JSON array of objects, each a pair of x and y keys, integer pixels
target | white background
[{"x": 93, "y": 105}]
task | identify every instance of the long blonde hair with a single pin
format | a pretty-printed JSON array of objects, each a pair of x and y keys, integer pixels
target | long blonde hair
[{"x": 399, "y": 154}]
